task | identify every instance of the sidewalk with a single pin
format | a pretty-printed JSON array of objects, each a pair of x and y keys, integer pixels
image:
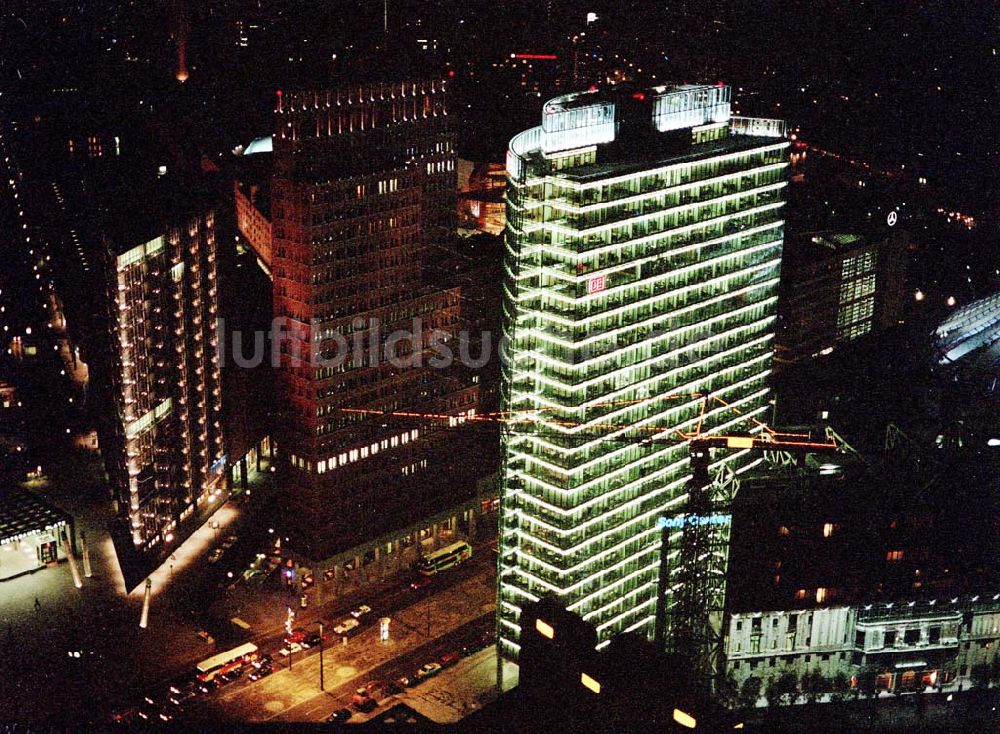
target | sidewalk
[{"x": 465, "y": 687}]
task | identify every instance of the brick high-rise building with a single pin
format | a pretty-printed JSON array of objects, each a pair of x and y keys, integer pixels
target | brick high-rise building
[{"x": 364, "y": 185}]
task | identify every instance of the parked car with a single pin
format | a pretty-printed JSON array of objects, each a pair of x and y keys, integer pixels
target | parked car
[
  {"x": 123, "y": 716},
  {"x": 229, "y": 542},
  {"x": 261, "y": 672},
  {"x": 421, "y": 582},
  {"x": 208, "y": 686},
  {"x": 265, "y": 659},
  {"x": 347, "y": 626},
  {"x": 215, "y": 555},
  {"x": 297, "y": 635},
  {"x": 307, "y": 581},
  {"x": 289, "y": 649},
  {"x": 363, "y": 700},
  {"x": 231, "y": 677},
  {"x": 341, "y": 715},
  {"x": 449, "y": 659},
  {"x": 312, "y": 640},
  {"x": 181, "y": 696},
  {"x": 391, "y": 688},
  {"x": 428, "y": 670},
  {"x": 406, "y": 681},
  {"x": 361, "y": 611}
]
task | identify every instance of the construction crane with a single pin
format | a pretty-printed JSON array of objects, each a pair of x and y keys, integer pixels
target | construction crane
[
  {"x": 691, "y": 594},
  {"x": 698, "y": 538}
]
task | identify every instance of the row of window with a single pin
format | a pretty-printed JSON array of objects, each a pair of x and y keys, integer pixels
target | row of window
[{"x": 352, "y": 455}]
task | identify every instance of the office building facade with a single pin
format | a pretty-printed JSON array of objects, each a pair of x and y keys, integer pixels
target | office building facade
[
  {"x": 837, "y": 288},
  {"x": 364, "y": 188},
  {"x": 165, "y": 454},
  {"x": 644, "y": 242}
]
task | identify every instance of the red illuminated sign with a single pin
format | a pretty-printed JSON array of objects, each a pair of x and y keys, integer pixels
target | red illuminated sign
[{"x": 595, "y": 284}]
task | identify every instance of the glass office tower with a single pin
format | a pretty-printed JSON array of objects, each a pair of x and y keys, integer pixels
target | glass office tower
[{"x": 644, "y": 244}]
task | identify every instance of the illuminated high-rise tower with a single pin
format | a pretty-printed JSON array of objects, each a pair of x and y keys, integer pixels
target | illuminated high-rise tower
[
  {"x": 163, "y": 445},
  {"x": 644, "y": 244}
]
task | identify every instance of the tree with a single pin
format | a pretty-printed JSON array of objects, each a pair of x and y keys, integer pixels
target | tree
[
  {"x": 981, "y": 675},
  {"x": 727, "y": 691},
  {"x": 814, "y": 685},
  {"x": 840, "y": 687},
  {"x": 750, "y": 692},
  {"x": 783, "y": 690},
  {"x": 866, "y": 681}
]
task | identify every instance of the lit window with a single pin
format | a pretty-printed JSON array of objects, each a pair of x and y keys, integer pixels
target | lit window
[
  {"x": 800, "y": 594},
  {"x": 783, "y": 530},
  {"x": 820, "y": 595},
  {"x": 321, "y": 467},
  {"x": 828, "y": 529},
  {"x": 545, "y": 629},
  {"x": 589, "y": 683},
  {"x": 685, "y": 719},
  {"x": 894, "y": 555}
]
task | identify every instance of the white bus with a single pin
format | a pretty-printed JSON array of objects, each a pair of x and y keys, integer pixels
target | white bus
[
  {"x": 226, "y": 661},
  {"x": 445, "y": 558}
]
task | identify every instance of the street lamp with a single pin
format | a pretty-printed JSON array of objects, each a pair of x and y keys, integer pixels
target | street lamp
[{"x": 321, "y": 683}]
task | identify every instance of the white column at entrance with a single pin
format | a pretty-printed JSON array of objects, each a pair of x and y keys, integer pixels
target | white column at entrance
[
  {"x": 87, "y": 570},
  {"x": 144, "y": 619},
  {"x": 77, "y": 582}
]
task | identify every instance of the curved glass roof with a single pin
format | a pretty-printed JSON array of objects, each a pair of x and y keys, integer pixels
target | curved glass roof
[{"x": 262, "y": 144}]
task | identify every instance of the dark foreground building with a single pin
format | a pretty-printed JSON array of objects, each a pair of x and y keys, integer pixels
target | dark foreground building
[{"x": 566, "y": 685}]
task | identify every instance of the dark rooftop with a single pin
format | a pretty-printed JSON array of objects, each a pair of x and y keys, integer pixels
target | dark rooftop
[{"x": 22, "y": 512}]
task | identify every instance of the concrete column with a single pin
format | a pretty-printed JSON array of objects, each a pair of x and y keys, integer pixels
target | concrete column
[
  {"x": 77, "y": 582},
  {"x": 87, "y": 570},
  {"x": 358, "y": 572},
  {"x": 472, "y": 524},
  {"x": 243, "y": 473},
  {"x": 257, "y": 454},
  {"x": 144, "y": 619},
  {"x": 397, "y": 556},
  {"x": 379, "y": 563},
  {"x": 318, "y": 580},
  {"x": 434, "y": 536}
]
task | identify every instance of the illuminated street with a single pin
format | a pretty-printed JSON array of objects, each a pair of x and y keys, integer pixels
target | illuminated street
[{"x": 452, "y": 613}]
